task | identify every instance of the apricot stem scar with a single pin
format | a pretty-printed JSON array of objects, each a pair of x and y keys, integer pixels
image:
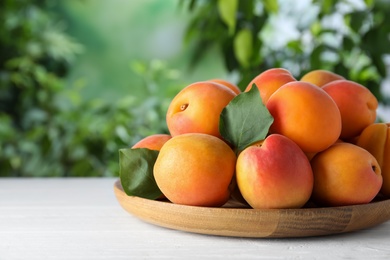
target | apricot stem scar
[{"x": 183, "y": 107}]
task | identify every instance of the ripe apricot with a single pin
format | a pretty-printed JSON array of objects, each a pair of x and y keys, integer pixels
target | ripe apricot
[
  {"x": 375, "y": 138},
  {"x": 356, "y": 103},
  {"x": 274, "y": 174},
  {"x": 152, "y": 142},
  {"x": 345, "y": 174},
  {"x": 306, "y": 114},
  {"x": 195, "y": 169},
  {"x": 269, "y": 81},
  {"x": 228, "y": 84},
  {"x": 320, "y": 77},
  {"x": 197, "y": 107}
]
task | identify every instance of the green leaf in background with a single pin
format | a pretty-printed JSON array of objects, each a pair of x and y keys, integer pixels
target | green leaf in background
[
  {"x": 369, "y": 3},
  {"x": 245, "y": 120},
  {"x": 228, "y": 9},
  {"x": 327, "y": 6},
  {"x": 243, "y": 46},
  {"x": 136, "y": 172},
  {"x": 357, "y": 19},
  {"x": 271, "y": 6}
]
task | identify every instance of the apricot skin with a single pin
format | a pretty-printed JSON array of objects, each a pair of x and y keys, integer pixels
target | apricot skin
[
  {"x": 357, "y": 106},
  {"x": 195, "y": 169},
  {"x": 320, "y": 77},
  {"x": 197, "y": 107},
  {"x": 269, "y": 81},
  {"x": 274, "y": 174},
  {"x": 345, "y": 174},
  {"x": 375, "y": 138},
  {"x": 152, "y": 142},
  {"x": 306, "y": 114},
  {"x": 227, "y": 84}
]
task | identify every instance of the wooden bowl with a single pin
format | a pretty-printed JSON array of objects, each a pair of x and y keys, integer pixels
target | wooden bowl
[{"x": 233, "y": 220}]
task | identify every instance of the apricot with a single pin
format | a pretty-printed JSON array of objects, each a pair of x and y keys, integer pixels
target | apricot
[
  {"x": 375, "y": 138},
  {"x": 269, "y": 81},
  {"x": 274, "y": 174},
  {"x": 357, "y": 106},
  {"x": 228, "y": 84},
  {"x": 306, "y": 114},
  {"x": 152, "y": 142},
  {"x": 197, "y": 107},
  {"x": 320, "y": 77},
  {"x": 345, "y": 174},
  {"x": 195, "y": 169}
]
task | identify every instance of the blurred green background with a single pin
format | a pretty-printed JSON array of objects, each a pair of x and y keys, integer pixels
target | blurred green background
[
  {"x": 121, "y": 37},
  {"x": 80, "y": 79}
]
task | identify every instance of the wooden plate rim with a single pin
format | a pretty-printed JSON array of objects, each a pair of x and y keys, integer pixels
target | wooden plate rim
[{"x": 255, "y": 223}]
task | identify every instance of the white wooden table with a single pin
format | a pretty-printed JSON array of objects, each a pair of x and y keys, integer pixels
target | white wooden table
[{"x": 81, "y": 219}]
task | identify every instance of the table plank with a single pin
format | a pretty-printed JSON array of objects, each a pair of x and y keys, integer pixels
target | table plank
[{"x": 79, "y": 218}]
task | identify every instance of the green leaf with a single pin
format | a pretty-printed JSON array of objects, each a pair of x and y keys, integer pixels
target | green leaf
[
  {"x": 316, "y": 28},
  {"x": 136, "y": 172},
  {"x": 227, "y": 10},
  {"x": 271, "y": 6},
  {"x": 348, "y": 43},
  {"x": 380, "y": 65},
  {"x": 327, "y": 6},
  {"x": 245, "y": 120},
  {"x": 369, "y": 3},
  {"x": 357, "y": 20},
  {"x": 295, "y": 46},
  {"x": 243, "y": 46},
  {"x": 315, "y": 57}
]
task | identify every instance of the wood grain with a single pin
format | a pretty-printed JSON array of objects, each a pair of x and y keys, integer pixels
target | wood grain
[{"x": 234, "y": 220}]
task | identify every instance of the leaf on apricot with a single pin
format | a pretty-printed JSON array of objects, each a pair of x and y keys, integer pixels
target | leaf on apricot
[
  {"x": 136, "y": 172},
  {"x": 245, "y": 120}
]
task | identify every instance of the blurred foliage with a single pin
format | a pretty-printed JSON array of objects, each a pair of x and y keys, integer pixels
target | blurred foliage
[
  {"x": 46, "y": 128},
  {"x": 348, "y": 37}
]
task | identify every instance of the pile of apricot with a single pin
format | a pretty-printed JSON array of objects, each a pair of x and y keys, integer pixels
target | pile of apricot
[{"x": 324, "y": 146}]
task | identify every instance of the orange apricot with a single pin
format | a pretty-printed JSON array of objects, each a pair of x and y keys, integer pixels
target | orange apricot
[
  {"x": 345, "y": 174},
  {"x": 375, "y": 138},
  {"x": 356, "y": 103},
  {"x": 228, "y": 84},
  {"x": 195, "y": 169},
  {"x": 306, "y": 114},
  {"x": 152, "y": 142},
  {"x": 269, "y": 81},
  {"x": 197, "y": 107},
  {"x": 320, "y": 77}
]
